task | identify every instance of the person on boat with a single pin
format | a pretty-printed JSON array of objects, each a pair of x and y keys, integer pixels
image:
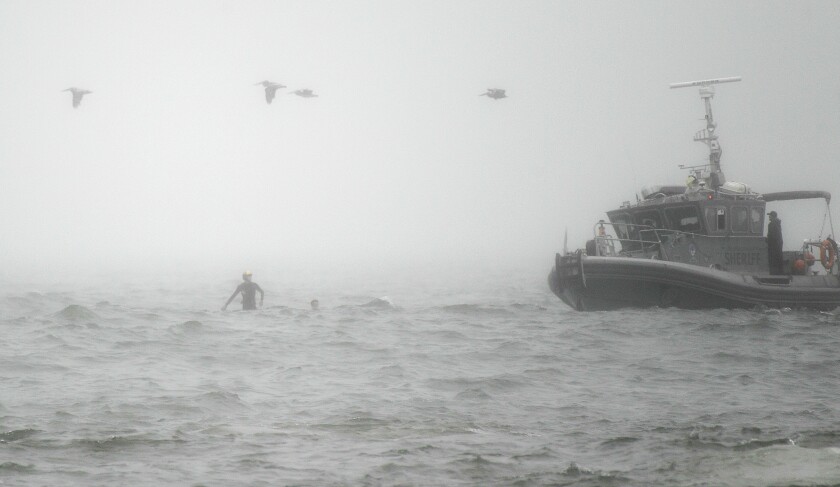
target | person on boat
[
  {"x": 691, "y": 183},
  {"x": 774, "y": 243},
  {"x": 248, "y": 289}
]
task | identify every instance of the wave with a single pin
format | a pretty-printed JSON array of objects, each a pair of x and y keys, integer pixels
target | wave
[
  {"x": 528, "y": 307},
  {"x": 220, "y": 399},
  {"x": 579, "y": 476},
  {"x": 718, "y": 438},
  {"x": 371, "y": 307},
  {"x": 33, "y": 301},
  {"x": 473, "y": 394},
  {"x": 187, "y": 327},
  {"x": 360, "y": 422},
  {"x": 544, "y": 373},
  {"x": 119, "y": 443},
  {"x": 619, "y": 441},
  {"x": 475, "y": 309},
  {"x": 424, "y": 449},
  {"x": 739, "y": 358},
  {"x": 448, "y": 334},
  {"x": 391, "y": 371},
  {"x": 498, "y": 383},
  {"x": 75, "y": 312},
  {"x": 513, "y": 348},
  {"x": 782, "y": 465},
  {"x": 16, "y": 435},
  {"x": 542, "y": 453},
  {"x": 380, "y": 303},
  {"x": 818, "y": 439},
  {"x": 479, "y": 467},
  {"x": 16, "y": 467},
  {"x": 146, "y": 316},
  {"x": 756, "y": 444}
]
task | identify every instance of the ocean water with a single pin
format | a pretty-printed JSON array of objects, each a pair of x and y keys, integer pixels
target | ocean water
[{"x": 486, "y": 380}]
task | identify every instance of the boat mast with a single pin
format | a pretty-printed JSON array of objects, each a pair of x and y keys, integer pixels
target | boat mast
[{"x": 708, "y": 135}]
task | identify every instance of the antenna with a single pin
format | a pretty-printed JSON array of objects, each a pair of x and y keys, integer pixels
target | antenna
[
  {"x": 708, "y": 135},
  {"x": 706, "y": 82}
]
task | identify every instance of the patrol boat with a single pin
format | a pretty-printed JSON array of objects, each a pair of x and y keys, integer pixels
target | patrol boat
[{"x": 698, "y": 245}]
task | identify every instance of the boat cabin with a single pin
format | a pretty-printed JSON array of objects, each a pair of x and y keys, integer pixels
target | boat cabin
[
  {"x": 704, "y": 214},
  {"x": 700, "y": 227},
  {"x": 722, "y": 229}
]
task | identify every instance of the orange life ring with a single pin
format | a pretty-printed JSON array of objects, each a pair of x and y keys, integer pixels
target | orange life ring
[{"x": 828, "y": 253}]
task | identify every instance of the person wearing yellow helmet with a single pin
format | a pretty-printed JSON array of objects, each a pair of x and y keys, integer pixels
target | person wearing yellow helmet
[{"x": 248, "y": 289}]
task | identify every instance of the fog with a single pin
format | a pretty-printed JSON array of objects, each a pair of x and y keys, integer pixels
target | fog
[{"x": 176, "y": 161}]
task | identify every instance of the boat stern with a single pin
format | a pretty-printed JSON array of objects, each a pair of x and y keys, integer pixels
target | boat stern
[{"x": 566, "y": 279}]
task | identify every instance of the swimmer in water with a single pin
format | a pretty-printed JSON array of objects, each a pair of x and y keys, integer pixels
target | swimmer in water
[{"x": 248, "y": 290}]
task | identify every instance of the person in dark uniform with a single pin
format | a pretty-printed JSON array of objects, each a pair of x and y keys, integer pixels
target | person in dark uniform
[
  {"x": 774, "y": 243},
  {"x": 248, "y": 290}
]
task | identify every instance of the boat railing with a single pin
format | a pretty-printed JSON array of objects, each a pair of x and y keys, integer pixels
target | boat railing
[
  {"x": 605, "y": 244},
  {"x": 648, "y": 245}
]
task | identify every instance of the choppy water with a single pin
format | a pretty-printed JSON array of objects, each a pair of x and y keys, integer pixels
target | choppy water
[{"x": 490, "y": 383}]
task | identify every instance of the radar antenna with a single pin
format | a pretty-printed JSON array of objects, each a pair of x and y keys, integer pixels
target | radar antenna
[{"x": 708, "y": 135}]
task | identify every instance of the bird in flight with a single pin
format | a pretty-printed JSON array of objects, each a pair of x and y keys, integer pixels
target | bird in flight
[
  {"x": 304, "y": 93},
  {"x": 78, "y": 93},
  {"x": 494, "y": 93},
  {"x": 270, "y": 89}
]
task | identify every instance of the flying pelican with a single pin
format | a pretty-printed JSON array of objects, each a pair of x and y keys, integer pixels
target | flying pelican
[
  {"x": 270, "y": 89},
  {"x": 78, "y": 93},
  {"x": 304, "y": 93},
  {"x": 494, "y": 93}
]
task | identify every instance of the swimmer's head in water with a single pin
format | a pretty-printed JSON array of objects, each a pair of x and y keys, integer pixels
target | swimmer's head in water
[
  {"x": 246, "y": 275},
  {"x": 314, "y": 303}
]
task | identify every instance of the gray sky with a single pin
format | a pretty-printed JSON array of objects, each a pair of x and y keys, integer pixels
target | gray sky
[{"x": 175, "y": 159}]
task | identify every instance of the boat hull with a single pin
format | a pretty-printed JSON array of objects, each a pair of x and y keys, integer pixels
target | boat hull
[{"x": 592, "y": 283}]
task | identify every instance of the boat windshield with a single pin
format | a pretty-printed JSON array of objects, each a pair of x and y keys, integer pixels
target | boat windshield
[
  {"x": 625, "y": 230},
  {"x": 757, "y": 219},
  {"x": 684, "y": 219},
  {"x": 649, "y": 218},
  {"x": 740, "y": 224}
]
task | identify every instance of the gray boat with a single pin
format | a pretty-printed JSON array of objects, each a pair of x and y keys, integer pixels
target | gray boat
[{"x": 698, "y": 245}]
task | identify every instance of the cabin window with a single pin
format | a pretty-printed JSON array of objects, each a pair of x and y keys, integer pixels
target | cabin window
[
  {"x": 740, "y": 223},
  {"x": 621, "y": 230},
  {"x": 647, "y": 219},
  {"x": 716, "y": 219},
  {"x": 683, "y": 219},
  {"x": 626, "y": 231},
  {"x": 757, "y": 220}
]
